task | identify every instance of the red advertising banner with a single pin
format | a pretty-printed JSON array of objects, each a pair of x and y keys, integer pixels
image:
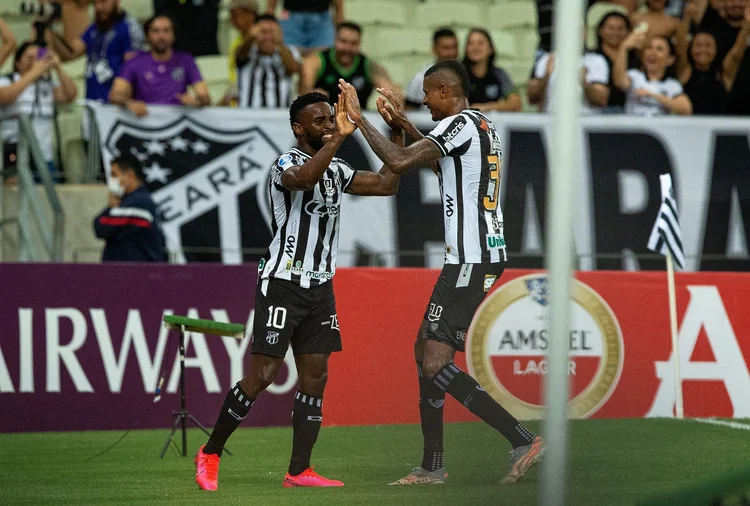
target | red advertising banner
[
  {"x": 620, "y": 345},
  {"x": 83, "y": 347}
]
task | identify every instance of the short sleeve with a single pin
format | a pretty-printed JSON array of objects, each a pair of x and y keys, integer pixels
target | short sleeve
[
  {"x": 451, "y": 133},
  {"x": 673, "y": 88},
  {"x": 128, "y": 71},
  {"x": 348, "y": 174},
  {"x": 193, "y": 75},
  {"x": 505, "y": 82},
  {"x": 295, "y": 53},
  {"x": 137, "y": 39},
  {"x": 597, "y": 69},
  {"x": 414, "y": 93},
  {"x": 636, "y": 78},
  {"x": 284, "y": 163},
  {"x": 541, "y": 66}
]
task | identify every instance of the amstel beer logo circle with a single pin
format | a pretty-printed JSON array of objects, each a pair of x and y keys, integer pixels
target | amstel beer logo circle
[{"x": 508, "y": 342}]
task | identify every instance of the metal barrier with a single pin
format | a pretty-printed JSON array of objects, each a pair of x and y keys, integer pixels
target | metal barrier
[{"x": 30, "y": 208}]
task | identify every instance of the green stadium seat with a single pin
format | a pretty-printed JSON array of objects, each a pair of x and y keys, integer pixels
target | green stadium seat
[
  {"x": 9, "y": 7},
  {"x": 76, "y": 69},
  {"x": 377, "y": 12},
  {"x": 517, "y": 14},
  {"x": 595, "y": 14},
  {"x": 505, "y": 45},
  {"x": 387, "y": 42},
  {"x": 456, "y": 14},
  {"x": 527, "y": 42},
  {"x": 139, "y": 9},
  {"x": 215, "y": 72},
  {"x": 397, "y": 71}
]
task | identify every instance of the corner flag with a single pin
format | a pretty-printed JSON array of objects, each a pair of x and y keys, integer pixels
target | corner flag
[{"x": 666, "y": 235}]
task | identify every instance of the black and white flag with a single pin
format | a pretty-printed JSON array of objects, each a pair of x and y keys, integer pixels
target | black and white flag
[{"x": 666, "y": 236}]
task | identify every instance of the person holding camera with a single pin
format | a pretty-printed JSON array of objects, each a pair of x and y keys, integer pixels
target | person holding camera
[{"x": 31, "y": 90}]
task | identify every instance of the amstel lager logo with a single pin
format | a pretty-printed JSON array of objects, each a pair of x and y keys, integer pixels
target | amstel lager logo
[{"x": 508, "y": 342}]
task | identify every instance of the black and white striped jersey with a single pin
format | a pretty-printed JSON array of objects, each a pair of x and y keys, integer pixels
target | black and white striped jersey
[
  {"x": 305, "y": 224},
  {"x": 263, "y": 81},
  {"x": 469, "y": 175}
]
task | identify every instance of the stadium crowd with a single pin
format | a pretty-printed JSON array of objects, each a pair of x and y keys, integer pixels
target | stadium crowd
[{"x": 649, "y": 57}]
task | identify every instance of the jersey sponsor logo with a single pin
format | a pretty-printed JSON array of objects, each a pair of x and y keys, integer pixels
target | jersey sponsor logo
[
  {"x": 461, "y": 335},
  {"x": 329, "y": 187},
  {"x": 261, "y": 264},
  {"x": 289, "y": 248},
  {"x": 459, "y": 123},
  {"x": 333, "y": 321},
  {"x": 448, "y": 205},
  {"x": 508, "y": 341},
  {"x": 489, "y": 280},
  {"x": 497, "y": 225},
  {"x": 298, "y": 270},
  {"x": 272, "y": 337},
  {"x": 321, "y": 209},
  {"x": 495, "y": 241}
]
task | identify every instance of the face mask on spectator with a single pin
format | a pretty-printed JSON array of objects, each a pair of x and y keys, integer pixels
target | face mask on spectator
[{"x": 115, "y": 187}]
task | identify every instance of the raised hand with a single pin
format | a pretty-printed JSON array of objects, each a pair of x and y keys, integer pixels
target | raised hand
[
  {"x": 635, "y": 40},
  {"x": 394, "y": 110},
  {"x": 344, "y": 127},
  {"x": 352, "y": 100}
]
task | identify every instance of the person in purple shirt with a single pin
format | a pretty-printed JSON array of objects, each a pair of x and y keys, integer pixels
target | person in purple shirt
[{"x": 161, "y": 76}]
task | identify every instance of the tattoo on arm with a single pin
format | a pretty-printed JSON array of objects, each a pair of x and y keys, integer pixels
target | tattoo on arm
[{"x": 397, "y": 158}]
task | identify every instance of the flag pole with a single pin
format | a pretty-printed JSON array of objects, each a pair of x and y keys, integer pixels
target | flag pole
[{"x": 679, "y": 413}]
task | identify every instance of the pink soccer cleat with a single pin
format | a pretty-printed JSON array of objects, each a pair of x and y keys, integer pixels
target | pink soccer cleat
[
  {"x": 207, "y": 470},
  {"x": 309, "y": 478}
]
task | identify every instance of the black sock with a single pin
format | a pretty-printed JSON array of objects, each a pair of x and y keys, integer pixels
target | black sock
[
  {"x": 469, "y": 393},
  {"x": 306, "y": 420},
  {"x": 431, "y": 400},
  {"x": 235, "y": 408}
]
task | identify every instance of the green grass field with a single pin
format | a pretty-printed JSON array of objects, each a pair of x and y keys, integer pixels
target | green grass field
[{"x": 612, "y": 462}]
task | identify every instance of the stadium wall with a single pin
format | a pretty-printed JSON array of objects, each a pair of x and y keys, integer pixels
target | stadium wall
[{"x": 83, "y": 347}]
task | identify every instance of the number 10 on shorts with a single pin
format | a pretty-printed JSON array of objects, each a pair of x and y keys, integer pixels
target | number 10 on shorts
[{"x": 276, "y": 317}]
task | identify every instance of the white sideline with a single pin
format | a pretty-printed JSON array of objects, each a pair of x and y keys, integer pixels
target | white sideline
[{"x": 713, "y": 421}]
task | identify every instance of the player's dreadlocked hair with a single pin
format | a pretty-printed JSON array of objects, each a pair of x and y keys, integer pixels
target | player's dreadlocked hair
[
  {"x": 454, "y": 67},
  {"x": 303, "y": 101}
]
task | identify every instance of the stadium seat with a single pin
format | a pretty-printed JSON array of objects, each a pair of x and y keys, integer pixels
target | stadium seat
[
  {"x": 527, "y": 43},
  {"x": 505, "y": 45},
  {"x": 377, "y": 12},
  {"x": 9, "y": 7},
  {"x": 72, "y": 152},
  {"x": 215, "y": 72},
  {"x": 518, "y": 14},
  {"x": 519, "y": 71},
  {"x": 397, "y": 71},
  {"x": 76, "y": 69},
  {"x": 594, "y": 15},
  {"x": 139, "y": 9},
  {"x": 456, "y": 14},
  {"x": 386, "y": 42}
]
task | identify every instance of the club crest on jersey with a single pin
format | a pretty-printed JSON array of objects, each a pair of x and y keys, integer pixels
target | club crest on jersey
[
  {"x": 495, "y": 241},
  {"x": 272, "y": 337},
  {"x": 295, "y": 268}
]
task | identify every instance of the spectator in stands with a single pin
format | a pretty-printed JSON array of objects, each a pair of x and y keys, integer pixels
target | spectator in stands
[
  {"x": 307, "y": 24},
  {"x": 322, "y": 71},
  {"x": 242, "y": 14},
  {"x": 706, "y": 79},
  {"x": 31, "y": 90},
  {"x": 660, "y": 24},
  {"x": 7, "y": 40},
  {"x": 490, "y": 87},
  {"x": 161, "y": 76},
  {"x": 130, "y": 223},
  {"x": 444, "y": 47},
  {"x": 265, "y": 67},
  {"x": 545, "y": 17},
  {"x": 611, "y": 32},
  {"x": 650, "y": 90},
  {"x": 594, "y": 82},
  {"x": 113, "y": 37},
  {"x": 723, "y": 26},
  {"x": 196, "y": 24}
]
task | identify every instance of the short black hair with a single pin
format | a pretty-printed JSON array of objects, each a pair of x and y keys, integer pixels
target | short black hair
[
  {"x": 351, "y": 25},
  {"x": 266, "y": 17},
  {"x": 303, "y": 101},
  {"x": 127, "y": 161},
  {"x": 442, "y": 32},
  {"x": 150, "y": 21},
  {"x": 453, "y": 67},
  {"x": 19, "y": 53}
]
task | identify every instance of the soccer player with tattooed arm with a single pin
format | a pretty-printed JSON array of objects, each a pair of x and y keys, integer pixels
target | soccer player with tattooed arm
[
  {"x": 464, "y": 150},
  {"x": 294, "y": 298}
]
